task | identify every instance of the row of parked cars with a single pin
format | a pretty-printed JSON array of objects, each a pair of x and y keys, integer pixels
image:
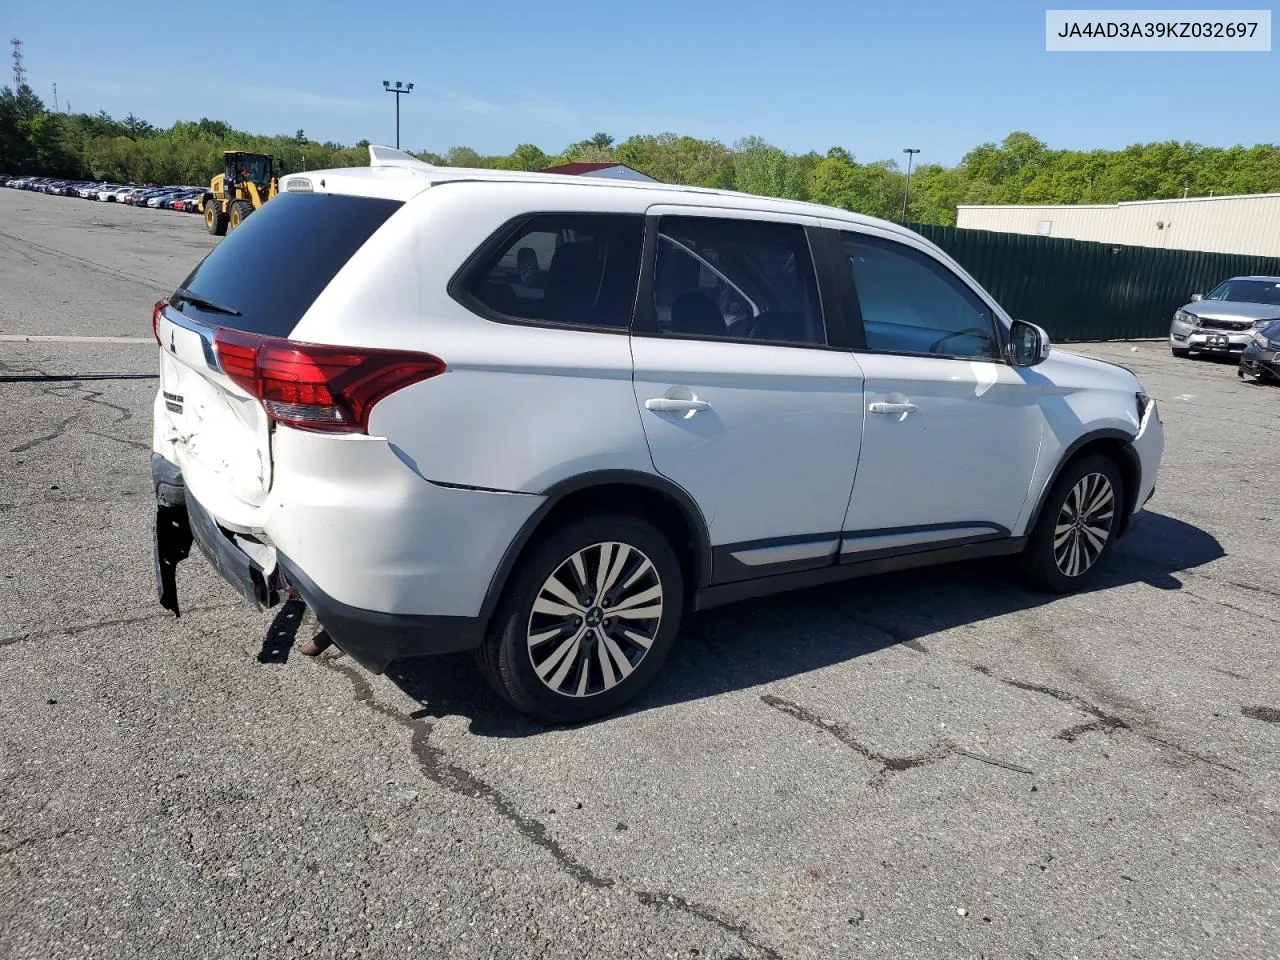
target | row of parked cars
[
  {"x": 1239, "y": 317},
  {"x": 148, "y": 195}
]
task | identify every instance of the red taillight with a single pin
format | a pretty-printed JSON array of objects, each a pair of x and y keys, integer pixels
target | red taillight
[
  {"x": 156, "y": 313},
  {"x": 314, "y": 386}
]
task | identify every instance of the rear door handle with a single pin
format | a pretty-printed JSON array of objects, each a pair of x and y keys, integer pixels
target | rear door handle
[
  {"x": 902, "y": 409},
  {"x": 674, "y": 405}
]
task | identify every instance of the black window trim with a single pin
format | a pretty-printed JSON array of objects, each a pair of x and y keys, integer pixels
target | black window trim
[
  {"x": 836, "y": 330},
  {"x": 997, "y": 326},
  {"x": 459, "y": 285}
]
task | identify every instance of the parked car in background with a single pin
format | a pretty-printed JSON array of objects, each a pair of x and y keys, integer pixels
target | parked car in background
[
  {"x": 630, "y": 451},
  {"x": 1223, "y": 323},
  {"x": 1260, "y": 360}
]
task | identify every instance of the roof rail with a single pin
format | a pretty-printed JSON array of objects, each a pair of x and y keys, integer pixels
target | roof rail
[{"x": 390, "y": 157}]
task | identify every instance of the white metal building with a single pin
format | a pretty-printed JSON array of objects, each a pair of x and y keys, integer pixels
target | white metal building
[{"x": 1240, "y": 224}]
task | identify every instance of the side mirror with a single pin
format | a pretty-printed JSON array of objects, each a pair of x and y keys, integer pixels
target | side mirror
[
  {"x": 1197, "y": 296},
  {"x": 1028, "y": 344}
]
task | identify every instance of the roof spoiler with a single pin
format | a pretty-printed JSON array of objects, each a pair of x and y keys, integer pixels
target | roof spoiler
[{"x": 389, "y": 157}]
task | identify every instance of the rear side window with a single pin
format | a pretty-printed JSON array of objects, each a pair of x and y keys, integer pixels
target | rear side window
[
  {"x": 575, "y": 269},
  {"x": 271, "y": 269}
]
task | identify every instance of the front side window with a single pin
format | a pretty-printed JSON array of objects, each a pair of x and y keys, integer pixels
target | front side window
[
  {"x": 737, "y": 280},
  {"x": 575, "y": 269},
  {"x": 913, "y": 304}
]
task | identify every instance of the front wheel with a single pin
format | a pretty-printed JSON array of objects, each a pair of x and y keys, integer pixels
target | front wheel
[
  {"x": 240, "y": 211},
  {"x": 1180, "y": 352},
  {"x": 1077, "y": 525},
  {"x": 586, "y": 621}
]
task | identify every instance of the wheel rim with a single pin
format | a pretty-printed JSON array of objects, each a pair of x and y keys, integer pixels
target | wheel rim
[
  {"x": 1084, "y": 524},
  {"x": 594, "y": 619},
  {"x": 209, "y": 216}
]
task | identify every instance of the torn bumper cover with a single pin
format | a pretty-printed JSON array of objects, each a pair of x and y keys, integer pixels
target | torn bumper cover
[{"x": 371, "y": 638}]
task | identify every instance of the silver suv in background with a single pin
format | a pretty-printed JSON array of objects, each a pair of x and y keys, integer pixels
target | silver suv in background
[{"x": 1223, "y": 322}]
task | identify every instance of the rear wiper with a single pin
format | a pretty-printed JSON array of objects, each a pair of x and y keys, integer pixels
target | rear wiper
[{"x": 182, "y": 293}]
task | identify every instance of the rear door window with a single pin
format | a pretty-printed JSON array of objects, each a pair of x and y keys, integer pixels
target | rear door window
[
  {"x": 574, "y": 269},
  {"x": 736, "y": 280},
  {"x": 270, "y": 269}
]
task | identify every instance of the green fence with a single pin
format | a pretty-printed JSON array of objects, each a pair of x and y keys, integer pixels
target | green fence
[{"x": 1090, "y": 291}]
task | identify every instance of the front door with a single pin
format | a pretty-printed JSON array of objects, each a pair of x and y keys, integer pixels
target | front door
[
  {"x": 743, "y": 403},
  {"x": 952, "y": 432}
]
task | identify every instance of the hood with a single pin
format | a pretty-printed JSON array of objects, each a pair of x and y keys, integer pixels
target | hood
[
  {"x": 1088, "y": 371},
  {"x": 1232, "y": 310}
]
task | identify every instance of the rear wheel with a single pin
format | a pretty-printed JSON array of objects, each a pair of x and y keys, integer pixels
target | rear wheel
[
  {"x": 240, "y": 211},
  {"x": 586, "y": 620},
  {"x": 1077, "y": 525},
  {"x": 215, "y": 221}
]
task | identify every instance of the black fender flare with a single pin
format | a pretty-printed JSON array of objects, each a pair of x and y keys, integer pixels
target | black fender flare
[
  {"x": 558, "y": 491},
  {"x": 1105, "y": 433}
]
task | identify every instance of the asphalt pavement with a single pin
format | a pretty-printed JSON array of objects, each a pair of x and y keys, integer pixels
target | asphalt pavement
[{"x": 936, "y": 763}]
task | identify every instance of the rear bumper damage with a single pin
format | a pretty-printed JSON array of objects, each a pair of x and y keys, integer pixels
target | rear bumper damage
[{"x": 371, "y": 638}]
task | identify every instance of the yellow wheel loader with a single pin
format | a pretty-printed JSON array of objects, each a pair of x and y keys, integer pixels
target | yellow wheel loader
[{"x": 247, "y": 182}]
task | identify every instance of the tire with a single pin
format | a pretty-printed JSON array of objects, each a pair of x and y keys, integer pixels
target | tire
[
  {"x": 240, "y": 211},
  {"x": 215, "y": 221},
  {"x": 1068, "y": 564},
  {"x": 593, "y": 664},
  {"x": 1181, "y": 352}
]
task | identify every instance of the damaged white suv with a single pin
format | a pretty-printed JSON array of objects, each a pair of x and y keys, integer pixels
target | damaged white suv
[{"x": 539, "y": 417}]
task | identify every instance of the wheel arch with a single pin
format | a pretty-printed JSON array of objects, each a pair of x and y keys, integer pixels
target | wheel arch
[
  {"x": 1114, "y": 444},
  {"x": 656, "y": 499}
]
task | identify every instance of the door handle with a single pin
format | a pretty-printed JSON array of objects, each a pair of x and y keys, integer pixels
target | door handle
[
  {"x": 675, "y": 405},
  {"x": 891, "y": 408}
]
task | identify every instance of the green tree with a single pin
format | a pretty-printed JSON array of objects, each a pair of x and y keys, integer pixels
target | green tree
[{"x": 136, "y": 128}]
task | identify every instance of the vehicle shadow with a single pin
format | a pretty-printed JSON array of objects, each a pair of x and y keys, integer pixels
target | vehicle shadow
[
  {"x": 762, "y": 641},
  {"x": 282, "y": 632}
]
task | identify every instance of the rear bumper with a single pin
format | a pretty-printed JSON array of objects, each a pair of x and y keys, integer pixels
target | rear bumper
[{"x": 370, "y": 637}]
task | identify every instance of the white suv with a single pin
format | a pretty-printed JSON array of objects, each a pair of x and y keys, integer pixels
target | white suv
[{"x": 371, "y": 400}]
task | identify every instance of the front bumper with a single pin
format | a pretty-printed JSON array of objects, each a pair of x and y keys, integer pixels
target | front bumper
[
  {"x": 1213, "y": 341},
  {"x": 370, "y": 637},
  {"x": 1256, "y": 361},
  {"x": 1148, "y": 446}
]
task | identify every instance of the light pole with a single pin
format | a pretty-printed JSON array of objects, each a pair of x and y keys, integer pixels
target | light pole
[
  {"x": 906, "y": 193},
  {"x": 399, "y": 90}
]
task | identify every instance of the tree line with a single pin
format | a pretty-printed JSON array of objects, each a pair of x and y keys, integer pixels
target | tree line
[{"x": 1019, "y": 169}]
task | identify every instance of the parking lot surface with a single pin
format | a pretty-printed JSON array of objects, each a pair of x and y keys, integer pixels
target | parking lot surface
[{"x": 936, "y": 763}]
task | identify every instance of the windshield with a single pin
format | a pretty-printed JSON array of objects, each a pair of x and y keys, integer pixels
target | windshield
[{"x": 1248, "y": 291}]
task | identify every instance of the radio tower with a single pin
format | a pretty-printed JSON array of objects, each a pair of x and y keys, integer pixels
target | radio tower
[{"x": 19, "y": 71}]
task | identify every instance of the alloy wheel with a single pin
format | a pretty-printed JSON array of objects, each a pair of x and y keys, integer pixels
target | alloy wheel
[
  {"x": 594, "y": 619},
  {"x": 1084, "y": 524}
]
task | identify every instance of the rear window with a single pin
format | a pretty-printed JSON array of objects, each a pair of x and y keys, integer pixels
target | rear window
[{"x": 271, "y": 269}]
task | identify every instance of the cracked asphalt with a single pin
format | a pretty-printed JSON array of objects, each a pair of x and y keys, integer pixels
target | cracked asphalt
[{"x": 927, "y": 764}]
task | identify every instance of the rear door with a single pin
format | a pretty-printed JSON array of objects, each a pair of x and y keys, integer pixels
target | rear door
[
  {"x": 261, "y": 279},
  {"x": 744, "y": 403}
]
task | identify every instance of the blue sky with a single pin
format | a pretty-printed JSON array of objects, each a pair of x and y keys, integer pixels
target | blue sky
[{"x": 872, "y": 77}]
